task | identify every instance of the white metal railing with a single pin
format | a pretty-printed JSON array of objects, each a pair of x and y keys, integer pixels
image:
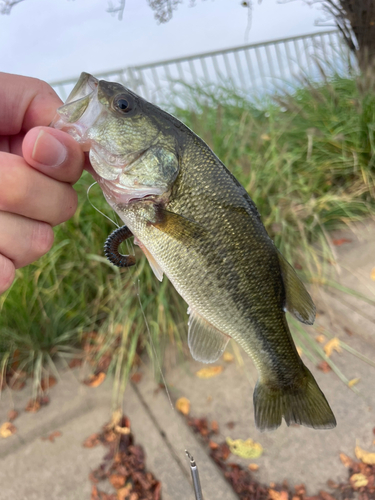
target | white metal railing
[{"x": 252, "y": 69}]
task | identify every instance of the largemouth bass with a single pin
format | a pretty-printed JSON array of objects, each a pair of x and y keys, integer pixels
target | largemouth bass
[{"x": 198, "y": 225}]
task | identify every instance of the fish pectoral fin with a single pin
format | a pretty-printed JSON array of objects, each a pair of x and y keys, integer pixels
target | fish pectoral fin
[
  {"x": 158, "y": 271},
  {"x": 297, "y": 299},
  {"x": 206, "y": 343},
  {"x": 177, "y": 226}
]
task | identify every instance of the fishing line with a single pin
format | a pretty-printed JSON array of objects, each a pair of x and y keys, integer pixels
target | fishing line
[
  {"x": 154, "y": 348},
  {"x": 97, "y": 209},
  {"x": 193, "y": 467}
]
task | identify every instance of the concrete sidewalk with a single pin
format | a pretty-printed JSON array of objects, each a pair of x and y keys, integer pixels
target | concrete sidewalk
[{"x": 31, "y": 468}]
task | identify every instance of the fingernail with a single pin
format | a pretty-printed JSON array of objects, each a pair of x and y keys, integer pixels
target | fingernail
[{"x": 48, "y": 150}]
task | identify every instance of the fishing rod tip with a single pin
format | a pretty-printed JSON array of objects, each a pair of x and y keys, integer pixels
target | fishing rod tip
[{"x": 192, "y": 461}]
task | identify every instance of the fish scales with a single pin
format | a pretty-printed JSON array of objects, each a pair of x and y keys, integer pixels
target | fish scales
[
  {"x": 197, "y": 224},
  {"x": 235, "y": 259}
]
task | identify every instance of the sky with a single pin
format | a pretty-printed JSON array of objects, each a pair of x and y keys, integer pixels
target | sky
[{"x": 59, "y": 39}]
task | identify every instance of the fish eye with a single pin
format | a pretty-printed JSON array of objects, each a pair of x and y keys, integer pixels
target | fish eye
[{"x": 123, "y": 103}]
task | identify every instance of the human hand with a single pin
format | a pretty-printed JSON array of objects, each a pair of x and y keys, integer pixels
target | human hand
[{"x": 38, "y": 166}]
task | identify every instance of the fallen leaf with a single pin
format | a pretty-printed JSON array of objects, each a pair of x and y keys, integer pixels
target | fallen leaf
[
  {"x": 213, "y": 445},
  {"x": 300, "y": 489},
  {"x": 12, "y": 415},
  {"x": 358, "y": 480},
  {"x": 7, "y": 429},
  {"x": 265, "y": 137},
  {"x": 210, "y": 371},
  {"x": 122, "y": 430},
  {"x": 348, "y": 462},
  {"x": 372, "y": 275},
  {"x": 75, "y": 363},
  {"x": 332, "y": 345},
  {"x": 320, "y": 338},
  {"x": 245, "y": 449},
  {"x": 47, "y": 383},
  {"x": 253, "y": 467},
  {"x": 52, "y": 436},
  {"x": 278, "y": 495},
  {"x": 136, "y": 377},
  {"x": 94, "y": 493},
  {"x": 366, "y": 457},
  {"x": 325, "y": 495},
  {"x": 341, "y": 241},
  {"x": 123, "y": 493},
  {"x": 95, "y": 380},
  {"x": 230, "y": 424},
  {"x": 347, "y": 331},
  {"x": 353, "y": 382},
  {"x": 117, "y": 481},
  {"x": 324, "y": 367},
  {"x": 92, "y": 441},
  {"x": 228, "y": 357},
  {"x": 183, "y": 405},
  {"x": 332, "y": 484},
  {"x": 215, "y": 427},
  {"x": 33, "y": 406}
]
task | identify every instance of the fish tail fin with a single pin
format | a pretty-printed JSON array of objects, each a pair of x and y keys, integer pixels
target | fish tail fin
[{"x": 304, "y": 405}]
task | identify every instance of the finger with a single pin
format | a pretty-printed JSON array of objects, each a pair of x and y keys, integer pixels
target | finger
[
  {"x": 24, "y": 240},
  {"x": 55, "y": 153},
  {"x": 25, "y": 191},
  {"x": 25, "y": 103},
  {"x": 7, "y": 273}
]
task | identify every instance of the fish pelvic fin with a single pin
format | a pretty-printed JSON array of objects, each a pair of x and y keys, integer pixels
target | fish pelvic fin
[
  {"x": 206, "y": 343},
  {"x": 297, "y": 299},
  {"x": 304, "y": 404}
]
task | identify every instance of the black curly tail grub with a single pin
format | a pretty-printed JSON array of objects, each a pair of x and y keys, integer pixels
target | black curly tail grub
[{"x": 111, "y": 248}]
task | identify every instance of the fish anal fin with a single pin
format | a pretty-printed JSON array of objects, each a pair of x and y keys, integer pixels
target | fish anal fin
[
  {"x": 297, "y": 299},
  {"x": 206, "y": 343}
]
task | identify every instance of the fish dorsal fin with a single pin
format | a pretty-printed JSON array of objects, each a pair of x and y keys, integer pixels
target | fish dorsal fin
[
  {"x": 206, "y": 343},
  {"x": 297, "y": 299}
]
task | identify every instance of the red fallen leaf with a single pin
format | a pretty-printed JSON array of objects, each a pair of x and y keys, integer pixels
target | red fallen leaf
[
  {"x": 48, "y": 383},
  {"x": 34, "y": 405},
  {"x": 221, "y": 454},
  {"x": 332, "y": 484},
  {"x": 117, "y": 481},
  {"x": 75, "y": 363},
  {"x": 136, "y": 377},
  {"x": 315, "y": 497},
  {"x": 213, "y": 445},
  {"x": 341, "y": 241},
  {"x": 12, "y": 415},
  {"x": 347, "y": 331},
  {"x": 94, "y": 493},
  {"x": 230, "y": 425},
  {"x": 215, "y": 427},
  {"x": 157, "y": 491},
  {"x": 325, "y": 495},
  {"x": 52, "y": 436},
  {"x": 92, "y": 441},
  {"x": 324, "y": 367},
  {"x": 300, "y": 489}
]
